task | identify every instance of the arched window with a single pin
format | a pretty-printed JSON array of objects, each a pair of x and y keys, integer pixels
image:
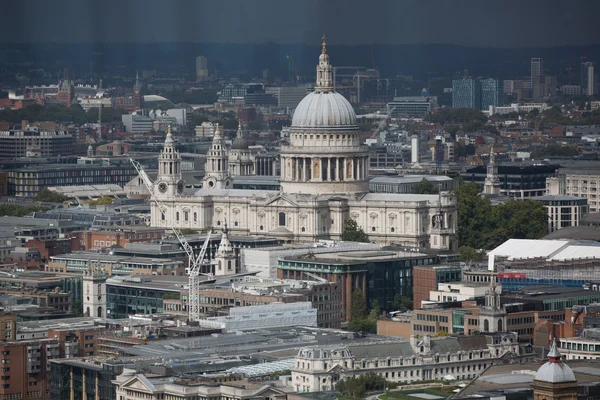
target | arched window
[
  {"x": 186, "y": 216},
  {"x": 177, "y": 216},
  {"x": 229, "y": 265},
  {"x": 87, "y": 312},
  {"x": 281, "y": 219},
  {"x": 99, "y": 311},
  {"x": 195, "y": 217},
  {"x": 500, "y": 328},
  {"x": 486, "y": 326}
]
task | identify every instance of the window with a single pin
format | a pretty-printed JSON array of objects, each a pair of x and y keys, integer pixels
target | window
[
  {"x": 195, "y": 217},
  {"x": 177, "y": 216},
  {"x": 281, "y": 219}
]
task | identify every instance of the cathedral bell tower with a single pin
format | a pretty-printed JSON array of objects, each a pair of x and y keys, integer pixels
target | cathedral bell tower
[
  {"x": 217, "y": 164},
  {"x": 554, "y": 380},
  {"x": 168, "y": 181},
  {"x": 225, "y": 259}
]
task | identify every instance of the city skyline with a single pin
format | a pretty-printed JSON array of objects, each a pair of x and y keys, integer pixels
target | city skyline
[{"x": 513, "y": 24}]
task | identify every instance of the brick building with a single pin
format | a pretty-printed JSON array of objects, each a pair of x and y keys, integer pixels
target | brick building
[
  {"x": 92, "y": 240},
  {"x": 51, "y": 247},
  {"x": 426, "y": 278}
]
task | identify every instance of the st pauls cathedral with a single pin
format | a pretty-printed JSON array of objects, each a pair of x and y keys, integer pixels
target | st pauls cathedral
[{"x": 324, "y": 182}]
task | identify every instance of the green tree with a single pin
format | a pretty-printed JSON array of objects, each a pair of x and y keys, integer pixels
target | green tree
[
  {"x": 49, "y": 196},
  {"x": 468, "y": 253},
  {"x": 375, "y": 310},
  {"x": 358, "y": 305},
  {"x": 14, "y": 210},
  {"x": 473, "y": 215},
  {"x": 402, "y": 303},
  {"x": 359, "y": 386},
  {"x": 77, "y": 308},
  {"x": 425, "y": 187},
  {"x": 102, "y": 201},
  {"x": 353, "y": 233}
]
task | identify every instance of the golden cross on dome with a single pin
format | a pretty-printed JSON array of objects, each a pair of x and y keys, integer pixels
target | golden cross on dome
[
  {"x": 217, "y": 127},
  {"x": 324, "y": 44}
]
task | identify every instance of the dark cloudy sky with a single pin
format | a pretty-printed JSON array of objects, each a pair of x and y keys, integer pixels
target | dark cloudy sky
[{"x": 495, "y": 23}]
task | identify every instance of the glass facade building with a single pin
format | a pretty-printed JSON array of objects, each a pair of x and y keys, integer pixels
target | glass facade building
[
  {"x": 466, "y": 93},
  {"x": 491, "y": 93}
]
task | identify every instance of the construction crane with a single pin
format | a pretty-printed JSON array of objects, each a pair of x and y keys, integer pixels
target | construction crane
[
  {"x": 100, "y": 112},
  {"x": 195, "y": 261}
]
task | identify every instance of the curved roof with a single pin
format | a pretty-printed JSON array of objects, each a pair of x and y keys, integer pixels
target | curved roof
[
  {"x": 555, "y": 371},
  {"x": 152, "y": 100},
  {"x": 322, "y": 109},
  {"x": 239, "y": 143}
]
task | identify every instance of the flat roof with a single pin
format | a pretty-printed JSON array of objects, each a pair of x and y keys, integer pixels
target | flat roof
[{"x": 410, "y": 179}]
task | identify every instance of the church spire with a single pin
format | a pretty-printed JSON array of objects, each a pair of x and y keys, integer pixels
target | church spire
[{"x": 324, "y": 44}]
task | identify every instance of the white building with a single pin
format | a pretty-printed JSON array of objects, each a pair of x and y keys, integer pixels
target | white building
[
  {"x": 8, "y": 242},
  {"x": 320, "y": 368},
  {"x": 586, "y": 347},
  {"x": 274, "y": 315},
  {"x": 460, "y": 291},
  {"x": 94, "y": 291},
  {"x": 137, "y": 123},
  {"x": 324, "y": 182},
  {"x": 131, "y": 386},
  {"x": 264, "y": 260},
  {"x": 517, "y": 107},
  {"x": 205, "y": 129}
]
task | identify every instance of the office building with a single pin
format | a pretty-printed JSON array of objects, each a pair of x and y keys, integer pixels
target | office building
[
  {"x": 205, "y": 129},
  {"x": 287, "y": 96},
  {"x": 518, "y": 181},
  {"x": 466, "y": 93},
  {"x": 319, "y": 368},
  {"x": 580, "y": 180},
  {"x": 491, "y": 93},
  {"x": 563, "y": 211},
  {"x": 405, "y": 184},
  {"x": 411, "y": 106},
  {"x": 380, "y": 275},
  {"x": 201, "y": 69},
  {"x": 137, "y": 123},
  {"x": 537, "y": 69},
  {"x": 570, "y": 90},
  {"x": 28, "y": 181},
  {"x": 78, "y": 262},
  {"x": 588, "y": 78},
  {"x": 33, "y": 142},
  {"x": 428, "y": 278}
]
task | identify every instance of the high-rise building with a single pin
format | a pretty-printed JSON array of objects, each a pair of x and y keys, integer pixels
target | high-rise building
[
  {"x": 537, "y": 68},
  {"x": 201, "y": 68},
  {"x": 492, "y": 91},
  {"x": 466, "y": 93},
  {"x": 588, "y": 78}
]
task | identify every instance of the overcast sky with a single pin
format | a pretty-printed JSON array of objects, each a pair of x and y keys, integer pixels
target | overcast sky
[{"x": 489, "y": 23}]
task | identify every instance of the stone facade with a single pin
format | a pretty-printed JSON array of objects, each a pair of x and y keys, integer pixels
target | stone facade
[
  {"x": 320, "y": 368},
  {"x": 324, "y": 183}
]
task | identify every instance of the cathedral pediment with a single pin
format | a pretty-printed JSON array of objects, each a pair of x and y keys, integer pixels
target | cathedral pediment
[
  {"x": 139, "y": 383},
  {"x": 281, "y": 201}
]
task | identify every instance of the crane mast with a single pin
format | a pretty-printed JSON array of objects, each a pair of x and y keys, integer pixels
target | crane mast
[{"x": 195, "y": 261}]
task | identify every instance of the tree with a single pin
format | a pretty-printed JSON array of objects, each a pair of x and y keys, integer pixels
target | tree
[
  {"x": 14, "y": 210},
  {"x": 468, "y": 253},
  {"x": 425, "y": 187},
  {"x": 481, "y": 226},
  {"x": 375, "y": 310},
  {"x": 358, "y": 305},
  {"x": 359, "y": 320},
  {"x": 102, "y": 201},
  {"x": 49, "y": 196},
  {"x": 353, "y": 233},
  {"x": 402, "y": 303},
  {"x": 78, "y": 308},
  {"x": 359, "y": 386}
]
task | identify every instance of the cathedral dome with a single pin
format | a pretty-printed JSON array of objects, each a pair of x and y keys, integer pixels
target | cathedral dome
[
  {"x": 324, "y": 109},
  {"x": 239, "y": 143},
  {"x": 555, "y": 371}
]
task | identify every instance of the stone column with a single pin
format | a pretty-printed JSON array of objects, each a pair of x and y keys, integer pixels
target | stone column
[
  {"x": 297, "y": 175},
  {"x": 328, "y": 167},
  {"x": 303, "y": 162},
  {"x": 337, "y": 168}
]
